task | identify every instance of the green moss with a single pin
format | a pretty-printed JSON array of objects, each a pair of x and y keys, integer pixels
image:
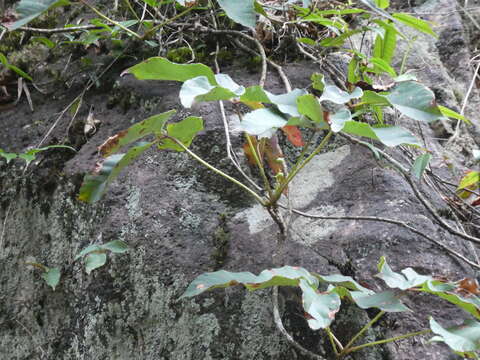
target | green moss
[
  {"x": 221, "y": 240},
  {"x": 180, "y": 55}
]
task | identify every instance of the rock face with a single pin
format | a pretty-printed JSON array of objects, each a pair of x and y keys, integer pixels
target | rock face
[{"x": 180, "y": 220}]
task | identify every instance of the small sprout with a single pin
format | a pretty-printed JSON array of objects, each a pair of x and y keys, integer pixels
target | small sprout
[
  {"x": 95, "y": 256},
  {"x": 50, "y": 275}
]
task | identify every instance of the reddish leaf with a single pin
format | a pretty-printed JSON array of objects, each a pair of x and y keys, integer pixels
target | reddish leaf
[
  {"x": 476, "y": 202},
  {"x": 294, "y": 135}
]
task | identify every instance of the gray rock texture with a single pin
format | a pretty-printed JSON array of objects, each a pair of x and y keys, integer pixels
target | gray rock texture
[{"x": 180, "y": 220}]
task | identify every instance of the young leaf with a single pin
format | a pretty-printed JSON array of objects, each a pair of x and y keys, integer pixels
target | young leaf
[
  {"x": 262, "y": 122},
  {"x": 94, "y": 261},
  {"x": 95, "y": 184},
  {"x": 420, "y": 164},
  {"x": 416, "y": 23},
  {"x": 414, "y": 100},
  {"x": 344, "y": 281},
  {"x": 381, "y": 64},
  {"x": 318, "y": 81},
  {"x": 152, "y": 125},
  {"x": 453, "y": 114},
  {"x": 242, "y": 12},
  {"x": 158, "y": 68},
  {"x": 115, "y": 246},
  {"x": 386, "y": 301},
  {"x": 8, "y": 156},
  {"x": 30, "y": 9},
  {"x": 293, "y": 134},
  {"x": 88, "y": 250},
  {"x": 184, "y": 131},
  {"x": 373, "y": 6},
  {"x": 52, "y": 277},
  {"x": 464, "y": 338},
  {"x": 384, "y": 47}
]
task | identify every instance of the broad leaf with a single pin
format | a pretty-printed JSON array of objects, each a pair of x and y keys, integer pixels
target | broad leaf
[
  {"x": 184, "y": 131},
  {"x": 320, "y": 307},
  {"x": 344, "y": 281},
  {"x": 406, "y": 280},
  {"x": 287, "y": 103},
  {"x": 153, "y": 125},
  {"x": 95, "y": 184},
  {"x": 420, "y": 164},
  {"x": 28, "y": 10},
  {"x": 464, "y": 338},
  {"x": 384, "y": 66},
  {"x": 199, "y": 89},
  {"x": 417, "y": 24},
  {"x": 284, "y": 276},
  {"x": 242, "y": 12},
  {"x": 115, "y": 246},
  {"x": 308, "y": 105},
  {"x": 469, "y": 303},
  {"x": 52, "y": 277},
  {"x": 387, "y": 301},
  {"x": 415, "y": 100},
  {"x": 159, "y": 68},
  {"x": 255, "y": 94},
  {"x": 262, "y": 122},
  {"x": 338, "y": 96},
  {"x": 94, "y": 261},
  {"x": 372, "y": 98}
]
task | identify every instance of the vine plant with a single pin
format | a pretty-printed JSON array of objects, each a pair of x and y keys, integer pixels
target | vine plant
[{"x": 358, "y": 111}]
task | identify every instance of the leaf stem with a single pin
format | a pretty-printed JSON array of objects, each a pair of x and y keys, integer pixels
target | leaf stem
[
  {"x": 334, "y": 341},
  {"x": 293, "y": 173},
  {"x": 166, "y": 22},
  {"x": 218, "y": 171},
  {"x": 256, "y": 154},
  {"x": 380, "y": 342},
  {"x": 363, "y": 330}
]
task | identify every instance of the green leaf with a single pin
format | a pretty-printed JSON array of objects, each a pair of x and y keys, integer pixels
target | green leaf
[
  {"x": 471, "y": 179},
  {"x": 318, "y": 81},
  {"x": 94, "y": 261},
  {"x": 308, "y": 105},
  {"x": 255, "y": 94},
  {"x": 338, "y": 96},
  {"x": 262, "y": 122},
  {"x": 390, "y": 136},
  {"x": 152, "y": 125},
  {"x": 242, "y": 12},
  {"x": 159, "y": 68},
  {"x": 88, "y": 250},
  {"x": 287, "y": 103},
  {"x": 284, "y": 276},
  {"x": 116, "y": 246},
  {"x": 386, "y": 301},
  {"x": 373, "y": 6},
  {"x": 381, "y": 64},
  {"x": 184, "y": 131},
  {"x": 382, "y": 4},
  {"x": 372, "y": 98},
  {"x": 470, "y": 304},
  {"x": 415, "y": 101},
  {"x": 420, "y": 164},
  {"x": 338, "y": 119},
  {"x": 406, "y": 280},
  {"x": 30, "y": 155},
  {"x": 199, "y": 89},
  {"x": 95, "y": 184},
  {"x": 28, "y": 10},
  {"x": 384, "y": 47},
  {"x": 8, "y": 156},
  {"x": 462, "y": 338},
  {"x": 52, "y": 277},
  {"x": 416, "y": 23},
  {"x": 321, "y": 307},
  {"x": 344, "y": 281},
  {"x": 43, "y": 40},
  {"x": 453, "y": 114}
]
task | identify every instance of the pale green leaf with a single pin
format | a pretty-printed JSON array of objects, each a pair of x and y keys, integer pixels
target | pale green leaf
[
  {"x": 387, "y": 301},
  {"x": 52, "y": 277},
  {"x": 242, "y": 12},
  {"x": 420, "y": 164},
  {"x": 116, "y": 246},
  {"x": 338, "y": 96},
  {"x": 94, "y": 261},
  {"x": 262, "y": 122},
  {"x": 463, "y": 338},
  {"x": 28, "y": 10}
]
